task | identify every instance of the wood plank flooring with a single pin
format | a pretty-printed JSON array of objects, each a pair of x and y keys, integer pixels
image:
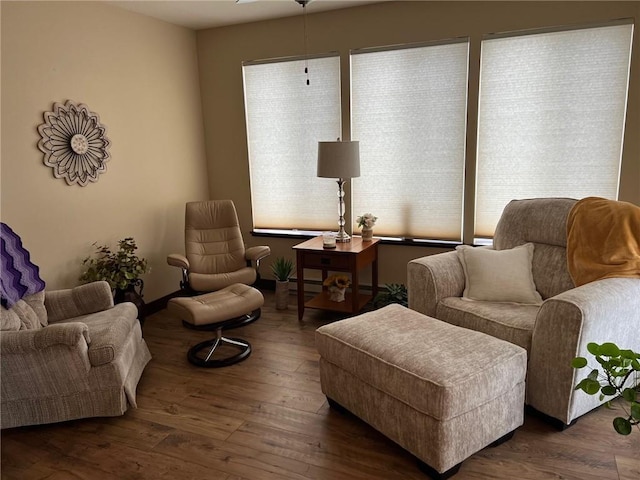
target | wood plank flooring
[{"x": 266, "y": 418}]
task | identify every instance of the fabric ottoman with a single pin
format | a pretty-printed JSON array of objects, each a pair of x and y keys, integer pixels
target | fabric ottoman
[{"x": 440, "y": 391}]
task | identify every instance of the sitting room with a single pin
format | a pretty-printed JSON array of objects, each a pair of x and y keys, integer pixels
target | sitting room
[{"x": 447, "y": 191}]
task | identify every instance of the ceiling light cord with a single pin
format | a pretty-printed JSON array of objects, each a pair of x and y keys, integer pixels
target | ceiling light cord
[{"x": 306, "y": 66}]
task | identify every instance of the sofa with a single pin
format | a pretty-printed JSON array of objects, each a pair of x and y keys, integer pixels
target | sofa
[
  {"x": 542, "y": 309},
  {"x": 69, "y": 354}
]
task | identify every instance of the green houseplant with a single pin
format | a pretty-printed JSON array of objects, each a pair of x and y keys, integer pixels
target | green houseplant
[
  {"x": 282, "y": 268},
  {"x": 394, "y": 293},
  {"x": 121, "y": 268},
  {"x": 619, "y": 367}
]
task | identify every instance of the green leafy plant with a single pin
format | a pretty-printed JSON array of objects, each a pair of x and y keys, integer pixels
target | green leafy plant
[
  {"x": 619, "y": 366},
  {"x": 394, "y": 293},
  {"x": 120, "y": 269},
  {"x": 282, "y": 268}
]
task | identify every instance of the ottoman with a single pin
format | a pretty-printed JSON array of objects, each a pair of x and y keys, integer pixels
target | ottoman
[
  {"x": 440, "y": 391},
  {"x": 231, "y": 307}
]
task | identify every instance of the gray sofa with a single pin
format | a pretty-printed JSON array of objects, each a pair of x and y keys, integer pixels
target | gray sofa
[
  {"x": 69, "y": 354},
  {"x": 554, "y": 331}
]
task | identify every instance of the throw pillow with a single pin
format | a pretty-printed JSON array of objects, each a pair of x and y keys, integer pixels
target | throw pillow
[{"x": 499, "y": 275}]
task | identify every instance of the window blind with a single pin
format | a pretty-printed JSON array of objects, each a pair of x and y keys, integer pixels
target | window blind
[
  {"x": 285, "y": 119},
  {"x": 409, "y": 113},
  {"x": 551, "y": 117}
]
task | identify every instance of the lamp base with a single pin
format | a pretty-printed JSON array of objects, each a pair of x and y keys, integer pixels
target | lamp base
[{"x": 343, "y": 237}]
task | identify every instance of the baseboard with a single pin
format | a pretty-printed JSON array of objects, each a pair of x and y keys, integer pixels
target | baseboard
[{"x": 161, "y": 303}]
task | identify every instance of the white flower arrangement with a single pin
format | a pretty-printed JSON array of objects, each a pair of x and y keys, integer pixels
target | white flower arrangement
[{"x": 367, "y": 220}]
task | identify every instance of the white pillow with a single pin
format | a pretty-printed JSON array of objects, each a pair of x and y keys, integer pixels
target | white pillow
[{"x": 499, "y": 275}]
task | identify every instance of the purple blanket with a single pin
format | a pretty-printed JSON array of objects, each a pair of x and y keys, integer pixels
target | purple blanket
[{"x": 19, "y": 276}]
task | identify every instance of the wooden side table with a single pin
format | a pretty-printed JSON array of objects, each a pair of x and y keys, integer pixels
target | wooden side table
[{"x": 350, "y": 257}]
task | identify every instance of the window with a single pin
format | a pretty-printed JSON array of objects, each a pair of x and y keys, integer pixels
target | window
[
  {"x": 408, "y": 110},
  {"x": 551, "y": 117},
  {"x": 285, "y": 120}
]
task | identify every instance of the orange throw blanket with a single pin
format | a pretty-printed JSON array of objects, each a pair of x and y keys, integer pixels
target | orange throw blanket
[{"x": 603, "y": 240}]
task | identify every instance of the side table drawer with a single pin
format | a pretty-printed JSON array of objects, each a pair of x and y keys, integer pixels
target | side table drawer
[{"x": 319, "y": 260}]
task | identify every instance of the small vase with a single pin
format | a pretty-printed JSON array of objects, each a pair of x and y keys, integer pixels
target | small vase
[
  {"x": 336, "y": 294},
  {"x": 282, "y": 294},
  {"x": 367, "y": 234}
]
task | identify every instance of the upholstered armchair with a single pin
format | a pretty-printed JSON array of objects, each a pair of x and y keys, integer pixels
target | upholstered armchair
[
  {"x": 215, "y": 254},
  {"x": 550, "y": 317},
  {"x": 69, "y": 354}
]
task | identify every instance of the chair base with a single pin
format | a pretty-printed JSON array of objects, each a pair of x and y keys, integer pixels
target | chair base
[
  {"x": 203, "y": 354},
  {"x": 195, "y": 357}
]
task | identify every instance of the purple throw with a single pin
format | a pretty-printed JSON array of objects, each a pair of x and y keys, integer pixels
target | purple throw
[{"x": 20, "y": 277}]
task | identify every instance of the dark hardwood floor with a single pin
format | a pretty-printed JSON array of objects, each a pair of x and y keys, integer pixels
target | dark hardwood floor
[{"x": 266, "y": 418}]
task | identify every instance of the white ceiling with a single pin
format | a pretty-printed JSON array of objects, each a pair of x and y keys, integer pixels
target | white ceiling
[{"x": 199, "y": 14}]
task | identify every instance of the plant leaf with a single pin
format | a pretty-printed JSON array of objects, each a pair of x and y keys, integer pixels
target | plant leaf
[
  {"x": 579, "y": 362},
  {"x": 593, "y": 348},
  {"x": 629, "y": 394},
  {"x": 609, "y": 349},
  {"x": 622, "y": 425}
]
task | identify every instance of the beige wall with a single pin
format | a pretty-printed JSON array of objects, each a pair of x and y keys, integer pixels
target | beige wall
[
  {"x": 222, "y": 50},
  {"x": 140, "y": 76}
]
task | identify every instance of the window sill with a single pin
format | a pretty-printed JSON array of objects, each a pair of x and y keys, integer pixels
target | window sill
[{"x": 306, "y": 234}]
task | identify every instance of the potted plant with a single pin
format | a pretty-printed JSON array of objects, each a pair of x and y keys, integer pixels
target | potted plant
[
  {"x": 619, "y": 367},
  {"x": 337, "y": 286},
  {"x": 121, "y": 269},
  {"x": 282, "y": 269},
  {"x": 394, "y": 293}
]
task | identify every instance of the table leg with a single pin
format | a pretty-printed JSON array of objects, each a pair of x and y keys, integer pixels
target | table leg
[
  {"x": 300, "y": 284},
  {"x": 374, "y": 274},
  {"x": 355, "y": 289}
]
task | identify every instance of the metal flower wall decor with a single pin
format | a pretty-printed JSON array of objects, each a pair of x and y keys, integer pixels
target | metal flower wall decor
[{"x": 74, "y": 143}]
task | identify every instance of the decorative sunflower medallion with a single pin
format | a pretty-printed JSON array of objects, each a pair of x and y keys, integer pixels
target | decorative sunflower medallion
[{"x": 74, "y": 143}]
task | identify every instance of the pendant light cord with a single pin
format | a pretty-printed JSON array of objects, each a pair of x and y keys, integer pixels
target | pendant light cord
[{"x": 306, "y": 66}]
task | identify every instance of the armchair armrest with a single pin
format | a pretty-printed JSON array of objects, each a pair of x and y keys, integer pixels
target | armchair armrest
[
  {"x": 25, "y": 341},
  {"x": 432, "y": 278},
  {"x": 602, "y": 311},
  {"x": 90, "y": 298},
  {"x": 177, "y": 260},
  {"x": 51, "y": 361},
  {"x": 257, "y": 253}
]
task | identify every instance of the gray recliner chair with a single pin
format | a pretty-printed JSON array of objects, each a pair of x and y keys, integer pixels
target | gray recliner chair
[
  {"x": 554, "y": 331},
  {"x": 215, "y": 254}
]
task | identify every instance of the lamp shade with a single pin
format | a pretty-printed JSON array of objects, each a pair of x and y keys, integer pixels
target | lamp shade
[{"x": 338, "y": 159}]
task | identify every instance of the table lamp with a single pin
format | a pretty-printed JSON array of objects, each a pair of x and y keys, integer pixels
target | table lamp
[{"x": 340, "y": 160}]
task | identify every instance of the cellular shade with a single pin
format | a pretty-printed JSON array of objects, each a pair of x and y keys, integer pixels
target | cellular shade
[
  {"x": 285, "y": 120},
  {"x": 551, "y": 117},
  {"x": 409, "y": 113}
]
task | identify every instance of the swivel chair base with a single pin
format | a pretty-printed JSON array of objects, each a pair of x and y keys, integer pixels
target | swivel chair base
[{"x": 203, "y": 354}]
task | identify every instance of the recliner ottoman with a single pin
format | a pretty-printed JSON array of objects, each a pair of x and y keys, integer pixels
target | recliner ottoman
[
  {"x": 231, "y": 307},
  {"x": 441, "y": 392}
]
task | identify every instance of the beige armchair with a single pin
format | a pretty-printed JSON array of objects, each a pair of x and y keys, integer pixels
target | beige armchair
[
  {"x": 215, "y": 254},
  {"x": 555, "y": 330},
  {"x": 69, "y": 354}
]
